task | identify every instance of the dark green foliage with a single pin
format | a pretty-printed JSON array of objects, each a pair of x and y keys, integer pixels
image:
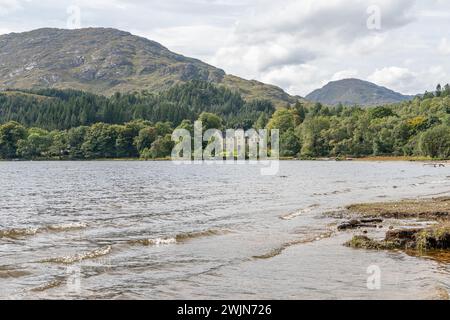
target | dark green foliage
[
  {"x": 161, "y": 148},
  {"x": 88, "y": 126},
  {"x": 100, "y": 141},
  {"x": 76, "y": 125},
  {"x": 289, "y": 144},
  {"x": 413, "y": 128},
  {"x": 435, "y": 142},
  {"x": 63, "y": 109},
  {"x": 145, "y": 138},
  {"x": 210, "y": 121},
  {"x": 10, "y": 135},
  {"x": 381, "y": 112},
  {"x": 36, "y": 145}
]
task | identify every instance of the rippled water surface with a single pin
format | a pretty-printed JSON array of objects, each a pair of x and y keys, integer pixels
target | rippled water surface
[{"x": 154, "y": 230}]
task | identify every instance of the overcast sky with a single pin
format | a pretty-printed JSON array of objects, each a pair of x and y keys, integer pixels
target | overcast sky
[{"x": 299, "y": 45}]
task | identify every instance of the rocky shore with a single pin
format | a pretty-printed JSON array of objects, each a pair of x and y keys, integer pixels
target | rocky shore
[{"x": 424, "y": 226}]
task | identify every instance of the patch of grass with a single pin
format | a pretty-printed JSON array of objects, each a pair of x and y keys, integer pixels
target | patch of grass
[
  {"x": 25, "y": 94},
  {"x": 433, "y": 238},
  {"x": 363, "y": 242},
  {"x": 432, "y": 242}
]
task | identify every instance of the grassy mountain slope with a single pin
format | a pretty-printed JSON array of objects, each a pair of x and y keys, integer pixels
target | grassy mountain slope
[{"x": 105, "y": 61}]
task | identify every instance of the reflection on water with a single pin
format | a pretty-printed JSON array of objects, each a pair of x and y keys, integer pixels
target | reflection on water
[{"x": 155, "y": 230}]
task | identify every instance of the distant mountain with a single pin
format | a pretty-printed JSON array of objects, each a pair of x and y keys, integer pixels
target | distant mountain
[
  {"x": 104, "y": 61},
  {"x": 355, "y": 92}
]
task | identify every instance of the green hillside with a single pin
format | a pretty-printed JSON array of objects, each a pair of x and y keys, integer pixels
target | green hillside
[{"x": 105, "y": 61}]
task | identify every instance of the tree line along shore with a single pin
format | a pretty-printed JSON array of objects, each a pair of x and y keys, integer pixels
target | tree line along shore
[{"x": 51, "y": 124}]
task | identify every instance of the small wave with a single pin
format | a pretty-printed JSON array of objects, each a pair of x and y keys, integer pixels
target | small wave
[
  {"x": 439, "y": 181},
  {"x": 201, "y": 234},
  {"x": 180, "y": 238},
  {"x": 27, "y": 232},
  {"x": 271, "y": 254},
  {"x": 19, "y": 232},
  {"x": 277, "y": 251},
  {"x": 293, "y": 215},
  {"x": 49, "y": 285},
  {"x": 80, "y": 256},
  {"x": 154, "y": 242},
  {"x": 67, "y": 226},
  {"x": 332, "y": 192},
  {"x": 418, "y": 184}
]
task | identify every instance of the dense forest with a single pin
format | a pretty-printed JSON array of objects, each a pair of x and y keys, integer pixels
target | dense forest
[
  {"x": 68, "y": 124},
  {"x": 52, "y": 109}
]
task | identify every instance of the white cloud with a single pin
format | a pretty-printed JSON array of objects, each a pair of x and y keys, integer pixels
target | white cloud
[
  {"x": 8, "y": 6},
  {"x": 189, "y": 40},
  {"x": 342, "y": 19},
  {"x": 393, "y": 77},
  {"x": 289, "y": 34},
  {"x": 345, "y": 74},
  {"x": 4, "y": 31},
  {"x": 408, "y": 82},
  {"x": 297, "y": 79},
  {"x": 444, "y": 46}
]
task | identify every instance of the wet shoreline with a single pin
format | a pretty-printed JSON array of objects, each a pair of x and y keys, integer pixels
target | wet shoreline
[{"x": 422, "y": 230}]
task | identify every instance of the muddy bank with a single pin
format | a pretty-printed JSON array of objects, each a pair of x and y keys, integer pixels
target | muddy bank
[{"x": 431, "y": 238}]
